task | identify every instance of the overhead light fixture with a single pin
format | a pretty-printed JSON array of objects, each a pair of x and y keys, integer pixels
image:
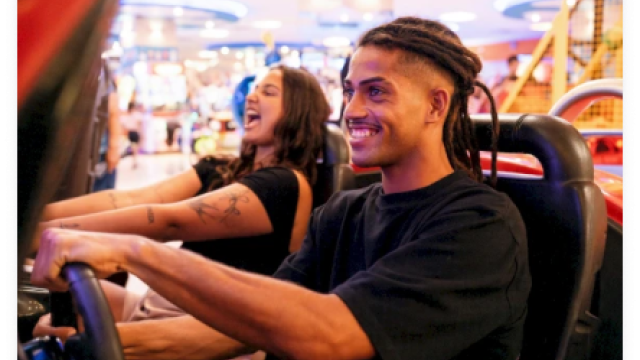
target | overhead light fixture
[
  {"x": 344, "y": 17},
  {"x": 543, "y": 26},
  {"x": 209, "y": 24},
  {"x": 224, "y": 50},
  {"x": 267, "y": 24},
  {"x": 458, "y": 16},
  {"x": 178, "y": 11},
  {"x": 295, "y": 53},
  {"x": 336, "y": 41},
  {"x": 214, "y": 33},
  {"x": 367, "y": 16},
  {"x": 284, "y": 49},
  {"x": 535, "y": 17},
  {"x": 239, "y": 55}
]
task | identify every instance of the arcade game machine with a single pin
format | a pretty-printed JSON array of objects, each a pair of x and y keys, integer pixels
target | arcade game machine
[{"x": 58, "y": 66}]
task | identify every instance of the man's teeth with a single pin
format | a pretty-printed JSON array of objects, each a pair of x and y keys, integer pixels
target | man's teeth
[{"x": 363, "y": 133}]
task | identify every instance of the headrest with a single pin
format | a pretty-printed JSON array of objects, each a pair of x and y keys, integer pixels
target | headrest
[
  {"x": 558, "y": 145},
  {"x": 336, "y": 148}
]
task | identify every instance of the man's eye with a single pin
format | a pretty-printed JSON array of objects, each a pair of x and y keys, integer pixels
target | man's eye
[
  {"x": 374, "y": 91},
  {"x": 347, "y": 93}
]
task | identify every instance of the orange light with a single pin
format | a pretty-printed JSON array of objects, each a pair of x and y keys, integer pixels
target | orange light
[{"x": 619, "y": 144}]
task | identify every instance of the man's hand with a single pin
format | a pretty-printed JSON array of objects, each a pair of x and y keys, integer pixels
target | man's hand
[
  {"x": 104, "y": 253},
  {"x": 44, "y": 328}
]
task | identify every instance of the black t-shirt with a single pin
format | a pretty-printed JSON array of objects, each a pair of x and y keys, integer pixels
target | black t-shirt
[
  {"x": 435, "y": 273},
  {"x": 277, "y": 188}
]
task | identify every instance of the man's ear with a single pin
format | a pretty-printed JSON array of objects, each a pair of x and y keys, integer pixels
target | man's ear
[{"x": 439, "y": 100}]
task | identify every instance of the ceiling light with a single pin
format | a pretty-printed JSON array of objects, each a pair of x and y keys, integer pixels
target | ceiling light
[
  {"x": 177, "y": 11},
  {"x": 284, "y": 49},
  {"x": 458, "y": 16},
  {"x": 224, "y": 50},
  {"x": 344, "y": 17},
  {"x": 543, "y": 26},
  {"x": 336, "y": 41},
  {"x": 571, "y": 3},
  {"x": 367, "y": 16},
  {"x": 239, "y": 55},
  {"x": 209, "y": 24},
  {"x": 267, "y": 24},
  {"x": 295, "y": 53},
  {"x": 214, "y": 33},
  {"x": 535, "y": 17}
]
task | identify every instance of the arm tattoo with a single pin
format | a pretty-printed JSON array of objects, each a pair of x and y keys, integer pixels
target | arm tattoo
[
  {"x": 203, "y": 209},
  {"x": 211, "y": 211},
  {"x": 234, "y": 198},
  {"x": 69, "y": 226},
  {"x": 113, "y": 200},
  {"x": 150, "y": 216}
]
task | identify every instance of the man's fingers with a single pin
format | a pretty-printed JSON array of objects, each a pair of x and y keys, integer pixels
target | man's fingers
[{"x": 44, "y": 328}]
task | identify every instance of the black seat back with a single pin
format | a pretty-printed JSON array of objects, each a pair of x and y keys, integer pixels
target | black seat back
[
  {"x": 334, "y": 173},
  {"x": 566, "y": 220}
]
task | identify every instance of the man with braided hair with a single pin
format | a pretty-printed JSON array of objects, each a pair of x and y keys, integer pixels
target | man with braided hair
[{"x": 429, "y": 264}]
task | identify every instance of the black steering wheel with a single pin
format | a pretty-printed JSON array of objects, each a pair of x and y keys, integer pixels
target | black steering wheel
[{"x": 100, "y": 340}]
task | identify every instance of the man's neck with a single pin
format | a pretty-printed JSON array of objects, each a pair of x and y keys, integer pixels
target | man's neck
[{"x": 415, "y": 172}]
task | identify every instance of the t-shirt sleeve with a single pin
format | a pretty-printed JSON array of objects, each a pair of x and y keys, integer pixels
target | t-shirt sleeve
[
  {"x": 442, "y": 292},
  {"x": 278, "y": 190}
]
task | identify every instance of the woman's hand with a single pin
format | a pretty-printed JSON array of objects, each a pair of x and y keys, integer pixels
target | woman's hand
[
  {"x": 104, "y": 253},
  {"x": 44, "y": 328}
]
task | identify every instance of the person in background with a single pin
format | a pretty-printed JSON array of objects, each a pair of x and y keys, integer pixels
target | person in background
[
  {"x": 107, "y": 112},
  {"x": 502, "y": 88},
  {"x": 132, "y": 122}
]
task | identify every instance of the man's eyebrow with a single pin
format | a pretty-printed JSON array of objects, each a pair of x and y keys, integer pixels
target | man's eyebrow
[{"x": 367, "y": 81}]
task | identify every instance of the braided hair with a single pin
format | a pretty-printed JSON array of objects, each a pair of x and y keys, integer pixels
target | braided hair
[{"x": 431, "y": 42}]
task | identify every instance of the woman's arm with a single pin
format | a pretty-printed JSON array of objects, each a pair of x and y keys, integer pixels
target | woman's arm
[
  {"x": 179, "y": 187},
  {"x": 232, "y": 211}
]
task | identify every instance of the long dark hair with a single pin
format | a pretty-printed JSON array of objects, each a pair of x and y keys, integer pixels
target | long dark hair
[
  {"x": 299, "y": 135},
  {"x": 431, "y": 42}
]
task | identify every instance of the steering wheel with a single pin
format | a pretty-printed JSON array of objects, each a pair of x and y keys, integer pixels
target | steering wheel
[{"x": 100, "y": 340}]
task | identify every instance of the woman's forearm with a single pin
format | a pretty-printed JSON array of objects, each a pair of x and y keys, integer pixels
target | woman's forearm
[
  {"x": 151, "y": 221},
  {"x": 88, "y": 204}
]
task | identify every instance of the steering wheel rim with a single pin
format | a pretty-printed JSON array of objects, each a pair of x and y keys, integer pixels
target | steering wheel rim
[{"x": 99, "y": 325}]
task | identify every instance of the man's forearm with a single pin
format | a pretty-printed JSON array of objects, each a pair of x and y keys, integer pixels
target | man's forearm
[
  {"x": 262, "y": 312},
  {"x": 183, "y": 338}
]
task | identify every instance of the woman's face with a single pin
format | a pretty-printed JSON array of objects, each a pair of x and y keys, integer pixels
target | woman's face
[{"x": 263, "y": 109}]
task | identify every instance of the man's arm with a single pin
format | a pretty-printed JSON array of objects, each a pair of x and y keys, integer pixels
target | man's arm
[
  {"x": 183, "y": 338},
  {"x": 279, "y": 317}
]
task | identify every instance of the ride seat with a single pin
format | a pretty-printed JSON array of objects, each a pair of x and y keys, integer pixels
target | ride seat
[
  {"x": 334, "y": 173},
  {"x": 565, "y": 216}
]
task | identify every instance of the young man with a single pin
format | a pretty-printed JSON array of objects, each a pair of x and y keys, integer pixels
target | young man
[{"x": 430, "y": 263}]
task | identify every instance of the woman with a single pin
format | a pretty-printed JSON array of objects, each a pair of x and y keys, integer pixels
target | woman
[{"x": 249, "y": 213}]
